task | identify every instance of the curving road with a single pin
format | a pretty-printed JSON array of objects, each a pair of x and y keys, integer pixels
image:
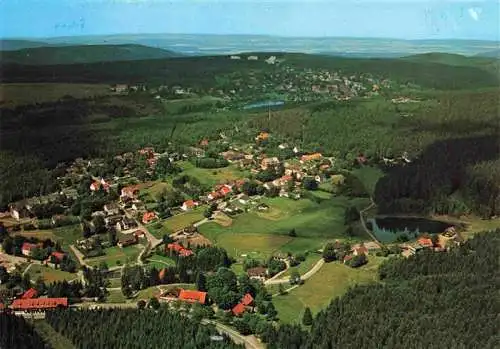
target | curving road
[{"x": 305, "y": 276}]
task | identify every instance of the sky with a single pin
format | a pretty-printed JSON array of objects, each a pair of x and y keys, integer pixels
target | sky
[{"x": 415, "y": 19}]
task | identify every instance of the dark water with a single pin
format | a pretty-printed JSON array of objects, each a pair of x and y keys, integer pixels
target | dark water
[
  {"x": 263, "y": 104},
  {"x": 387, "y": 229}
]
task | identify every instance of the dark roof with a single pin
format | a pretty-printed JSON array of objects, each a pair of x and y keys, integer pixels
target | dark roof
[{"x": 257, "y": 271}]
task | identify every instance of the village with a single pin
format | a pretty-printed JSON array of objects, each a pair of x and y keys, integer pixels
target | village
[{"x": 159, "y": 214}]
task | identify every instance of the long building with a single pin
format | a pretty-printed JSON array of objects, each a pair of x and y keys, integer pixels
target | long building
[{"x": 39, "y": 304}]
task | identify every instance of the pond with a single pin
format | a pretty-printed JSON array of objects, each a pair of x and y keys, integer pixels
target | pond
[
  {"x": 387, "y": 229},
  {"x": 264, "y": 104}
]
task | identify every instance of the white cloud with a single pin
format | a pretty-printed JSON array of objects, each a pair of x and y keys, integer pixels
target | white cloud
[{"x": 474, "y": 13}]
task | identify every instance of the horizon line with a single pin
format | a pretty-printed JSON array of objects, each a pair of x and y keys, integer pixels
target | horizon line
[{"x": 243, "y": 34}]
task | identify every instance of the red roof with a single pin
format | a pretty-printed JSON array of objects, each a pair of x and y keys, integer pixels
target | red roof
[
  {"x": 192, "y": 296},
  {"x": 238, "y": 309},
  {"x": 247, "y": 299},
  {"x": 148, "y": 217},
  {"x": 190, "y": 203},
  {"x": 28, "y": 246},
  {"x": 183, "y": 252},
  {"x": 361, "y": 250},
  {"x": 38, "y": 303},
  {"x": 31, "y": 293},
  {"x": 2, "y": 306},
  {"x": 215, "y": 194},
  {"x": 286, "y": 178},
  {"x": 347, "y": 258},
  {"x": 426, "y": 242},
  {"x": 138, "y": 233},
  {"x": 225, "y": 190},
  {"x": 58, "y": 255}
]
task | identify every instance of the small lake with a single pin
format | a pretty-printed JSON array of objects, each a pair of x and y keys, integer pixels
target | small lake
[
  {"x": 387, "y": 229},
  {"x": 264, "y": 104}
]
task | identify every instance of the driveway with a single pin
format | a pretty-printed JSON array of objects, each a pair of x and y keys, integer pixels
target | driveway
[{"x": 305, "y": 276}]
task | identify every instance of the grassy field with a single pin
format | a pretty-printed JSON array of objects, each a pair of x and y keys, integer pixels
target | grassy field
[
  {"x": 267, "y": 232},
  {"x": 116, "y": 296},
  {"x": 116, "y": 254},
  {"x": 39, "y": 234},
  {"x": 156, "y": 188},
  {"x": 160, "y": 262},
  {"x": 29, "y": 93},
  {"x": 183, "y": 220},
  {"x": 331, "y": 281},
  {"x": 51, "y": 336},
  {"x": 212, "y": 176},
  {"x": 369, "y": 176},
  {"x": 305, "y": 266},
  {"x": 49, "y": 274},
  {"x": 115, "y": 282}
]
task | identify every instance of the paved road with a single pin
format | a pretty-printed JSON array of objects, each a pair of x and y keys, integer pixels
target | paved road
[
  {"x": 277, "y": 276},
  {"x": 250, "y": 342},
  {"x": 305, "y": 276},
  {"x": 151, "y": 238}
]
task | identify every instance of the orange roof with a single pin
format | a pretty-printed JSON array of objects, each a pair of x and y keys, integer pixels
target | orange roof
[
  {"x": 38, "y": 303},
  {"x": 131, "y": 189},
  {"x": 190, "y": 203},
  {"x": 148, "y": 216},
  {"x": 247, "y": 299},
  {"x": 425, "y": 242},
  {"x": 361, "y": 250},
  {"x": 192, "y": 296},
  {"x": 238, "y": 309},
  {"x": 225, "y": 190},
  {"x": 31, "y": 293},
  {"x": 309, "y": 157},
  {"x": 58, "y": 255},
  {"x": 162, "y": 273}
]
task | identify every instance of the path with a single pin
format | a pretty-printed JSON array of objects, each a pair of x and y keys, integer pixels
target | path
[
  {"x": 363, "y": 223},
  {"x": 81, "y": 259},
  {"x": 277, "y": 276},
  {"x": 250, "y": 342},
  {"x": 286, "y": 290},
  {"x": 203, "y": 221},
  {"x": 304, "y": 277}
]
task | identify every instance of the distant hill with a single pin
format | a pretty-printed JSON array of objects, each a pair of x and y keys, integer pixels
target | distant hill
[
  {"x": 490, "y": 54},
  {"x": 83, "y": 54},
  {"x": 203, "y": 71},
  {"x": 13, "y": 44}
]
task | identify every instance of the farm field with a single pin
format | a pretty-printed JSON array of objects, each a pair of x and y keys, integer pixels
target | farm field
[
  {"x": 211, "y": 176},
  {"x": 49, "y": 274},
  {"x": 116, "y": 256},
  {"x": 19, "y": 93},
  {"x": 331, "y": 281},
  {"x": 267, "y": 232}
]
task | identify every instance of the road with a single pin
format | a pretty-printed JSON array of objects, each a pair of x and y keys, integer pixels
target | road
[
  {"x": 305, "y": 276},
  {"x": 363, "y": 223},
  {"x": 277, "y": 276},
  {"x": 150, "y": 237}
]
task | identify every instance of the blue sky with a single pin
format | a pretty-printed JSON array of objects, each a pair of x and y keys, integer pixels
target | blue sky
[{"x": 417, "y": 19}]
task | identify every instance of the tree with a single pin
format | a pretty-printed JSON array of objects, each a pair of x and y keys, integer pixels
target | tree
[
  {"x": 295, "y": 278},
  {"x": 310, "y": 183},
  {"x": 141, "y": 304},
  {"x": 292, "y": 233},
  {"x": 329, "y": 252},
  {"x": 351, "y": 214},
  {"x": 281, "y": 289},
  {"x": 201, "y": 282},
  {"x": 208, "y": 212},
  {"x": 307, "y": 318},
  {"x": 271, "y": 311},
  {"x": 154, "y": 303}
]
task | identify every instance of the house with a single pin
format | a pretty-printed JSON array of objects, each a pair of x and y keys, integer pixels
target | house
[
  {"x": 127, "y": 240},
  {"x": 120, "y": 88},
  {"x": 310, "y": 157},
  {"x": 214, "y": 195},
  {"x": 130, "y": 192},
  {"x": 55, "y": 256},
  {"x": 148, "y": 217},
  {"x": 263, "y": 207},
  {"x": 181, "y": 251},
  {"x": 371, "y": 246},
  {"x": 138, "y": 206},
  {"x": 19, "y": 211},
  {"x": 111, "y": 209},
  {"x": 238, "y": 309},
  {"x": 257, "y": 273},
  {"x": 198, "y": 152},
  {"x": 39, "y": 304},
  {"x": 360, "y": 251},
  {"x": 29, "y": 294},
  {"x": 247, "y": 300},
  {"x": 283, "y": 181},
  {"x": 97, "y": 185},
  {"x": 139, "y": 233},
  {"x": 189, "y": 205},
  {"x": 269, "y": 162},
  {"x": 204, "y": 142},
  {"x": 347, "y": 259},
  {"x": 225, "y": 189},
  {"x": 284, "y": 194},
  {"x": 425, "y": 242},
  {"x": 235, "y": 57},
  {"x": 192, "y": 296},
  {"x": 283, "y": 146},
  {"x": 27, "y": 248},
  {"x": 253, "y": 58},
  {"x": 147, "y": 151},
  {"x": 244, "y": 163},
  {"x": 112, "y": 220},
  {"x": 232, "y": 155},
  {"x": 126, "y": 223}
]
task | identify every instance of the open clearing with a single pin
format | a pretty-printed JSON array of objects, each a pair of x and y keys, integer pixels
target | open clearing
[
  {"x": 212, "y": 176},
  {"x": 331, "y": 281},
  {"x": 49, "y": 274},
  {"x": 116, "y": 255},
  {"x": 19, "y": 93},
  {"x": 369, "y": 176},
  {"x": 267, "y": 232},
  {"x": 183, "y": 220}
]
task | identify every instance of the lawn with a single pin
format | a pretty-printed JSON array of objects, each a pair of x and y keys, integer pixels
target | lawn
[
  {"x": 267, "y": 232},
  {"x": 237, "y": 268},
  {"x": 115, "y": 282},
  {"x": 68, "y": 235},
  {"x": 49, "y": 274},
  {"x": 331, "y": 281},
  {"x": 305, "y": 266},
  {"x": 212, "y": 176},
  {"x": 160, "y": 262},
  {"x": 115, "y": 255},
  {"x": 147, "y": 293},
  {"x": 51, "y": 336},
  {"x": 156, "y": 187},
  {"x": 369, "y": 176},
  {"x": 116, "y": 296},
  {"x": 180, "y": 221},
  {"x": 39, "y": 234}
]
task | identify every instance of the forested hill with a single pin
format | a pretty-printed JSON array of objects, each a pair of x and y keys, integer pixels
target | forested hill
[
  {"x": 83, "y": 54},
  {"x": 203, "y": 71},
  {"x": 432, "y": 300}
]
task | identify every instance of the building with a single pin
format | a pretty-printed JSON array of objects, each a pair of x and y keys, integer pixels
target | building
[
  {"x": 29, "y": 294},
  {"x": 257, "y": 273},
  {"x": 130, "y": 192},
  {"x": 39, "y": 304},
  {"x": 310, "y": 157},
  {"x": 27, "y": 248},
  {"x": 244, "y": 199},
  {"x": 232, "y": 155},
  {"x": 192, "y": 296},
  {"x": 360, "y": 251},
  {"x": 283, "y": 181},
  {"x": 269, "y": 162},
  {"x": 179, "y": 249},
  {"x": 127, "y": 240},
  {"x": 139, "y": 234},
  {"x": 425, "y": 242},
  {"x": 57, "y": 257},
  {"x": 120, "y": 88},
  {"x": 97, "y": 185},
  {"x": 148, "y": 217},
  {"x": 189, "y": 205},
  {"x": 126, "y": 223},
  {"x": 238, "y": 309},
  {"x": 253, "y": 58},
  {"x": 111, "y": 209}
]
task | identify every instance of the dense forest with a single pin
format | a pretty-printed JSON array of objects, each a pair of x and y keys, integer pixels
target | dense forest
[
  {"x": 17, "y": 333},
  {"x": 431, "y": 300},
  {"x": 144, "y": 328}
]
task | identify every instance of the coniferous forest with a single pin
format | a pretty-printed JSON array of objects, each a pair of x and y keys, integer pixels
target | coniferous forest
[
  {"x": 431, "y": 300},
  {"x": 16, "y": 333},
  {"x": 122, "y": 329}
]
